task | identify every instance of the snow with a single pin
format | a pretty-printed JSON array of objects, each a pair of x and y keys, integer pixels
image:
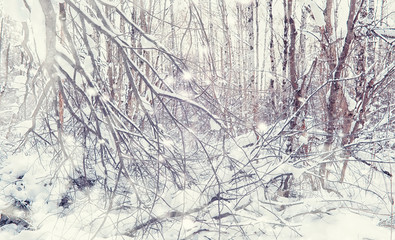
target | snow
[
  {"x": 286, "y": 168},
  {"x": 302, "y": 100},
  {"x": 303, "y": 139},
  {"x": 147, "y": 106},
  {"x": 38, "y": 40},
  {"x": 214, "y": 126},
  {"x": 19, "y": 82},
  {"x": 22, "y": 127},
  {"x": 87, "y": 66},
  {"x": 244, "y": 2},
  {"x": 351, "y": 103},
  {"x": 341, "y": 224},
  {"x": 91, "y": 92},
  {"x": 262, "y": 127},
  {"x": 388, "y": 33},
  {"x": 203, "y": 50},
  {"x": 16, "y": 10},
  {"x": 187, "y": 76},
  {"x": 313, "y": 218},
  {"x": 147, "y": 44},
  {"x": 169, "y": 80}
]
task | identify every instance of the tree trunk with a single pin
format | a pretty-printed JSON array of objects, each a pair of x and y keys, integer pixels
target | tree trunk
[
  {"x": 273, "y": 64},
  {"x": 227, "y": 61},
  {"x": 330, "y": 53},
  {"x": 285, "y": 60},
  {"x": 297, "y": 92},
  {"x": 337, "y": 103},
  {"x": 250, "y": 65}
]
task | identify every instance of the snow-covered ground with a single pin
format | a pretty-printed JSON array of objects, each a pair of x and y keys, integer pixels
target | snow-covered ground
[
  {"x": 28, "y": 179},
  {"x": 39, "y": 191}
]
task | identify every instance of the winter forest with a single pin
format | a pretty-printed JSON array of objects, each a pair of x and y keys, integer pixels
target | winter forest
[{"x": 197, "y": 119}]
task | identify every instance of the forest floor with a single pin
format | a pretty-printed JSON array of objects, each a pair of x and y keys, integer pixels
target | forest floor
[{"x": 33, "y": 205}]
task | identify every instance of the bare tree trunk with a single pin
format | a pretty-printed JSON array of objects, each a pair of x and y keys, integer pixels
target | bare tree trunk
[
  {"x": 130, "y": 105},
  {"x": 62, "y": 18},
  {"x": 144, "y": 22},
  {"x": 371, "y": 40},
  {"x": 365, "y": 94},
  {"x": 336, "y": 100},
  {"x": 272, "y": 54},
  {"x": 211, "y": 40},
  {"x": 49, "y": 66},
  {"x": 109, "y": 51},
  {"x": 361, "y": 57},
  {"x": 383, "y": 12},
  {"x": 250, "y": 65},
  {"x": 285, "y": 59},
  {"x": 297, "y": 92},
  {"x": 302, "y": 40},
  {"x": 120, "y": 81},
  {"x": 256, "y": 50},
  {"x": 330, "y": 53},
  {"x": 241, "y": 78},
  {"x": 227, "y": 61},
  {"x": 173, "y": 29}
]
